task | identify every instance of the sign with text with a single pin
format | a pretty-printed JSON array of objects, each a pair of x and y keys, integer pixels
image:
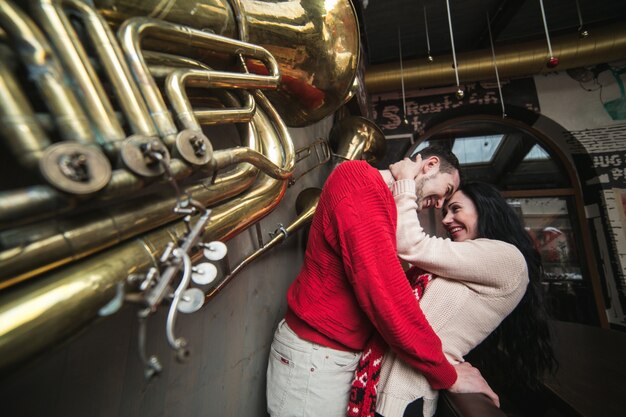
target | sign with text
[{"x": 389, "y": 109}]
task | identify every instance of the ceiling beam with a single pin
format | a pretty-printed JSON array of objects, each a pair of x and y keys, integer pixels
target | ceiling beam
[{"x": 499, "y": 17}]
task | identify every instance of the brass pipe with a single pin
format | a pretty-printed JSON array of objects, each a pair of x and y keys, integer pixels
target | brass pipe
[
  {"x": 66, "y": 300},
  {"x": 20, "y": 128},
  {"x": 604, "y": 44},
  {"x": 191, "y": 118},
  {"x": 47, "y": 201},
  {"x": 164, "y": 65},
  {"x": 51, "y": 17},
  {"x": 45, "y": 70},
  {"x": 32, "y": 252},
  {"x": 82, "y": 235},
  {"x": 312, "y": 196},
  {"x": 25, "y": 203},
  {"x": 131, "y": 35},
  {"x": 114, "y": 65},
  {"x": 215, "y": 15},
  {"x": 40, "y": 202}
]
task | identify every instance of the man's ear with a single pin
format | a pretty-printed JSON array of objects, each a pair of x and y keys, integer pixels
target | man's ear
[{"x": 430, "y": 163}]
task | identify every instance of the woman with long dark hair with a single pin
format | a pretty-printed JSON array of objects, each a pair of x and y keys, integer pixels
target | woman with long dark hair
[{"x": 486, "y": 288}]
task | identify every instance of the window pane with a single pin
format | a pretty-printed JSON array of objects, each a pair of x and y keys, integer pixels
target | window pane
[
  {"x": 536, "y": 153},
  {"x": 477, "y": 149},
  {"x": 548, "y": 221}
]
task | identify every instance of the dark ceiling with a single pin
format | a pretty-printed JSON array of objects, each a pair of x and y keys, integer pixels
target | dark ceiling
[{"x": 512, "y": 21}]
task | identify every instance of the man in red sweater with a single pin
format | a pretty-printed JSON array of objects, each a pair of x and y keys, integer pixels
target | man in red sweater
[{"x": 352, "y": 285}]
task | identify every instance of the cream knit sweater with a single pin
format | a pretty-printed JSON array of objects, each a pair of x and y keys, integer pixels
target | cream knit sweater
[{"x": 479, "y": 283}]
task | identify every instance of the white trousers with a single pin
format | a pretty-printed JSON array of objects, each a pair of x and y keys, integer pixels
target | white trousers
[{"x": 305, "y": 379}]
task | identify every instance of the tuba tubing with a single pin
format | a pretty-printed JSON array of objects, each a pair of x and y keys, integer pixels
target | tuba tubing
[
  {"x": 46, "y": 71},
  {"x": 65, "y": 300},
  {"x": 51, "y": 18},
  {"x": 191, "y": 118},
  {"x": 44, "y": 201},
  {"x": 23, "y": 134},
  {"x": 85, "y": 235},
  {"x": 133, "y": 31}
]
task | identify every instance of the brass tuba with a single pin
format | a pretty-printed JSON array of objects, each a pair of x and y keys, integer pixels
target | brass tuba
[{"x": 105, "y": 110}]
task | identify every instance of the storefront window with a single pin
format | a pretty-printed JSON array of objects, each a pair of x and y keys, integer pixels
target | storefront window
[{"x": 548, "y": 221}]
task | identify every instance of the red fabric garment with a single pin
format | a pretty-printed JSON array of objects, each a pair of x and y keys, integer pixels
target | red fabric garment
[
  {"x": 352, "y": 284},
  {"x": 364, "y": 389}
]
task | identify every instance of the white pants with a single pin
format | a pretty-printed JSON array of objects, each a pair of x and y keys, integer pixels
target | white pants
[{"x": 305, "y": 379}]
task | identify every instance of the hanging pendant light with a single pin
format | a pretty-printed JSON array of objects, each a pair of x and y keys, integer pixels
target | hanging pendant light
[
  {"x": 459, "y": 92},
  {"x": 429, "y": 57},
  {"x": 404, "y": 120},
  {"x": 553, "y": 61},
  {"x": 495, "y": 66},
  {"x": 582, "y": 32}
]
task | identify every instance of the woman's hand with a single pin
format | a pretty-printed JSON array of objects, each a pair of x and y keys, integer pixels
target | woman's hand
[
  {"x": 406, "y": 169},
  {"x": 470, "y": 380}
]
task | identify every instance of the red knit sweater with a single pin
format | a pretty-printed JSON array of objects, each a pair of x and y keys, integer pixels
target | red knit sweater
[{"x": 352, "y": 283}]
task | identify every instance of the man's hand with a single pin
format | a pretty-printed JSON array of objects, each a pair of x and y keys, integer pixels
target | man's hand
[
  {"x": 406, "y": 169},
  {"x": 470, "y": 380}
]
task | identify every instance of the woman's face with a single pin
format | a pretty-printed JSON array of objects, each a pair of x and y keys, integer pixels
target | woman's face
[{"x": 460, "y": 218}]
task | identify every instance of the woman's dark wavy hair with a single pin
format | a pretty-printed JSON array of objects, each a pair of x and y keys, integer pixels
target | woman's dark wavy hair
[{"x": 520, "y": 347}]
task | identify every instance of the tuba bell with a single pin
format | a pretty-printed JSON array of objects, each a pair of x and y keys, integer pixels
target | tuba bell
[
  {"x": 356, "y": 137},
  {"x": 315, "y": 43}
]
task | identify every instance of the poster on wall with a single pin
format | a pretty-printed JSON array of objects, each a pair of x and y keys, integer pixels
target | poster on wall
[{"x": 423, "y": 105}]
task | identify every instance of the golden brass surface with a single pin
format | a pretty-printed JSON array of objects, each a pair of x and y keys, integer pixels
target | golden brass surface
[
  {"x": 68, "y": 298},
  {"x": 606, "y": 44},
  {"x": 47, "y": 74},
  {"x": 43, "y": 202},
  {"x": 132, "y": 33},
  {"x": 209, "y": 15},
  {"x": 72, "y": 239},
  {"x": 317, "y": 47},
  {"x": 50, "y": 16},
  {"x": 21, "y": 131},
  {"x": 192, "y": 117},
  {"x": 316, "y": 44},
  {"x": 356, "y": 137}
]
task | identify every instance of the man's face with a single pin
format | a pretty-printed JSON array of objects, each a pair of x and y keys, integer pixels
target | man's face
[{"x": 434, "y": 187}]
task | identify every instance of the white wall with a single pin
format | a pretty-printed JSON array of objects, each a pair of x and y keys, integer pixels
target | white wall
[{"x": 566, "y": 101}]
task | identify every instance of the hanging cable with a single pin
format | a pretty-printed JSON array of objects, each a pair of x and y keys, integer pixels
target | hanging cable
[
  {"x": 459, "y": 92},
  {"x": 552, "y": 61},
  {"x": 495, "y": 66},
  {"x": 404, "y": 120},
  {"x": 582, "y": 32},
  {"x": 429, "y": 57}
]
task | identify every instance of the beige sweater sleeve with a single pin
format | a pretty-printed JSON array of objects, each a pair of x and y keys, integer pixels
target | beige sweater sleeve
[{"x": 478, "y": 261}]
